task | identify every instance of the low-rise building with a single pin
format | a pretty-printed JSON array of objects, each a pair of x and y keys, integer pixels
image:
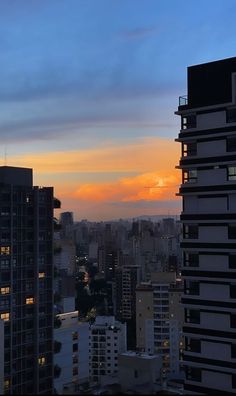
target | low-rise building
[
  {"x": 71, "y": 345},
  {"x": 139, "y": 372}
]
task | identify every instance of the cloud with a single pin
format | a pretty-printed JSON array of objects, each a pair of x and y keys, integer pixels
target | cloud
[
  {"x": 142, "y": 156},
  {"x": 147, "y": 186}
]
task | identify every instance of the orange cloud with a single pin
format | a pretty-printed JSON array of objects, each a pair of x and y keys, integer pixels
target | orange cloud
[
  {"x": 143, "y": 155},
  {"x": 147, "y": 186}
]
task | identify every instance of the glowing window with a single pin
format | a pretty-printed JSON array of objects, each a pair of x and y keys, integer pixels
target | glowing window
[
  {"x": 41, "y": 360},
  {"x": 5, "y": 290},
  {"x": 5, "y": 316},
  {"x": 6, "y": 384},
  {"x": 41, "y": 274},
  {"x": 5, "y": 250},
  {"x": 75, "y": 335},
  {"x": 29, "y": 300}
]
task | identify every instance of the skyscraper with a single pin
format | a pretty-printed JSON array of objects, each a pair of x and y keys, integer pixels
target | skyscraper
[
  {"x": 26, "y": 292},
  {"x": 208, "y": 163}
]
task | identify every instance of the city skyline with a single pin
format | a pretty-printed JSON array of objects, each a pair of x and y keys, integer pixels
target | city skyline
[{"x": 88, "y": 94}]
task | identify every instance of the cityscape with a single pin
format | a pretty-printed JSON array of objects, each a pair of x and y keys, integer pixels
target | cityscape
[{"x": 118, "y": 197}]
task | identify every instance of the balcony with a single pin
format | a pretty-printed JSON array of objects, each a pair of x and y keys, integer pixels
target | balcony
[
  {"x": 183, "y": 100},
  {"x": 56, "y": 203}
]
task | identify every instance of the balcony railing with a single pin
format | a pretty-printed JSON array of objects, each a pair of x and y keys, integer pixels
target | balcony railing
[{"x": 183, "y": 100}]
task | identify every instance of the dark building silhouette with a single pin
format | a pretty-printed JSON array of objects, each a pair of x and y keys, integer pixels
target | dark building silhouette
[
  {"x": 208, "y": 163},
  {"x": 26, "y": 292}
]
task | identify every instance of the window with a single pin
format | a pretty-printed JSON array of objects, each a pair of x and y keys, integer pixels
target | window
[
  {"x": 233, "y": 321},
  {"x": 194, "y": 374},
  {"x": 233, "y": 351},
  {"x": 232, "y": 261},
  {"x": 231, "y": 115},
  {"x": 75, "y": 347},
  {"x": 232, "y": 231},
  {"x": 41, "y": 361},
  {"x": 192, "y": 287},
  {"x": 188, "y": 121},
  {"x": 29, "y": 300},
  {"x": 190, "y": 176},
  {"x": 75, "y": 359},
  {"x": 192, "y": 316},
  {"x": 75, "y": 370},
  {"x": 4, "y": 290},
  {"x": 233, "y": 381},
  {"x": 189, "y": 149},
  {"x": 191, "y": 259},
  {"x": 231, "y": 143},
  {"x": 5, "y": 316},
  {"x": 41, "y": 274},
  {"x": 5, "y": 250},
  {"x": 75, "y": 335},
  {"x": 233, "y": 291},
  {"x": 193, "y": 344},
  {"x": 231, "y": 173},
  {"x": 6, "y": 384},
  {"x": 190, "y": 231}
]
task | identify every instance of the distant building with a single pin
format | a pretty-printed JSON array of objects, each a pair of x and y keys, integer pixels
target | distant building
[
  {"x": 107, "y": 341},
  {"x": 208, "y": 163},
  {"x": 126, "y": 279},
  {"x": 138, "y": 372},
  {"x": 159, "y": 319}
]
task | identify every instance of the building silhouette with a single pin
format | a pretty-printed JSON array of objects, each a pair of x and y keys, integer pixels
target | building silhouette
[
  {"x": 208, "y": 163},
  {"x": 26, "y": 293}
]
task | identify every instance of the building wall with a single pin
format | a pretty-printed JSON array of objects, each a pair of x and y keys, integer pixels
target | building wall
[{"x": 73, "y": 357}]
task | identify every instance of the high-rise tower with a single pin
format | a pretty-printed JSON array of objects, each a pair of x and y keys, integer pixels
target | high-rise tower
[
  {"x": 208, "y": 163},
  {"x": 26, "y": 291}
]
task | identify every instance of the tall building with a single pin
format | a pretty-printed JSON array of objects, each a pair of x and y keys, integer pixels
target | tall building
[
  {"x": 159, "y": 319},
  {"x": 26, "y": 292},
  {"x": 126, "y": 279},
  {"x": 208, "y": 163}
]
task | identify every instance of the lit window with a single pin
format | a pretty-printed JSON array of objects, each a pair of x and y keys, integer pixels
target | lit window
[
  {"x": 75, "y": 335},
  {"x": 6, "y": 384},
  {"x": 5, "y": 316},
  {"x": 5, "y": 290},
  {"x": 41, "y": 274},
  {"x": 41, "y": 361},
  {"x": 190, "y": 176},
  {"x": 189, "y": 149},
  {"x": 188, "y": 121},
  {"x": 231, "y": 172},
  {"x": 5, "y": 250},
  {"x": 29, "y": 300}
]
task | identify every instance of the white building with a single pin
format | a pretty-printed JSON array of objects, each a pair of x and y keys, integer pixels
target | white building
[
  {"x": 107, "y": 341},
  {"x": 208, "y": 163},
  {"x": 159, "y": 319},
  {"x": 71, "y": 352}
]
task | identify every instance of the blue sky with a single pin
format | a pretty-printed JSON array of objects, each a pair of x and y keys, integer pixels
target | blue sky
[{"x": 84, "y": 74}]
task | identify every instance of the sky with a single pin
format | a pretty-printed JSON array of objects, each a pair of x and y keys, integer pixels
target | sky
[{"x": 88, "y": 91}]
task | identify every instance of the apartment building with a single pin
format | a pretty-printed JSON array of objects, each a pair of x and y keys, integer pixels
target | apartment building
[
  {"x": 208, "y": 163},
  {"x": 26, "y": 276},
  {"x": 107, "y": 341}
]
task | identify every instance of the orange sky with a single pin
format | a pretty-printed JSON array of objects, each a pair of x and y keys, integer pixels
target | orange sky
[{"x": 140, "y": 173}]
